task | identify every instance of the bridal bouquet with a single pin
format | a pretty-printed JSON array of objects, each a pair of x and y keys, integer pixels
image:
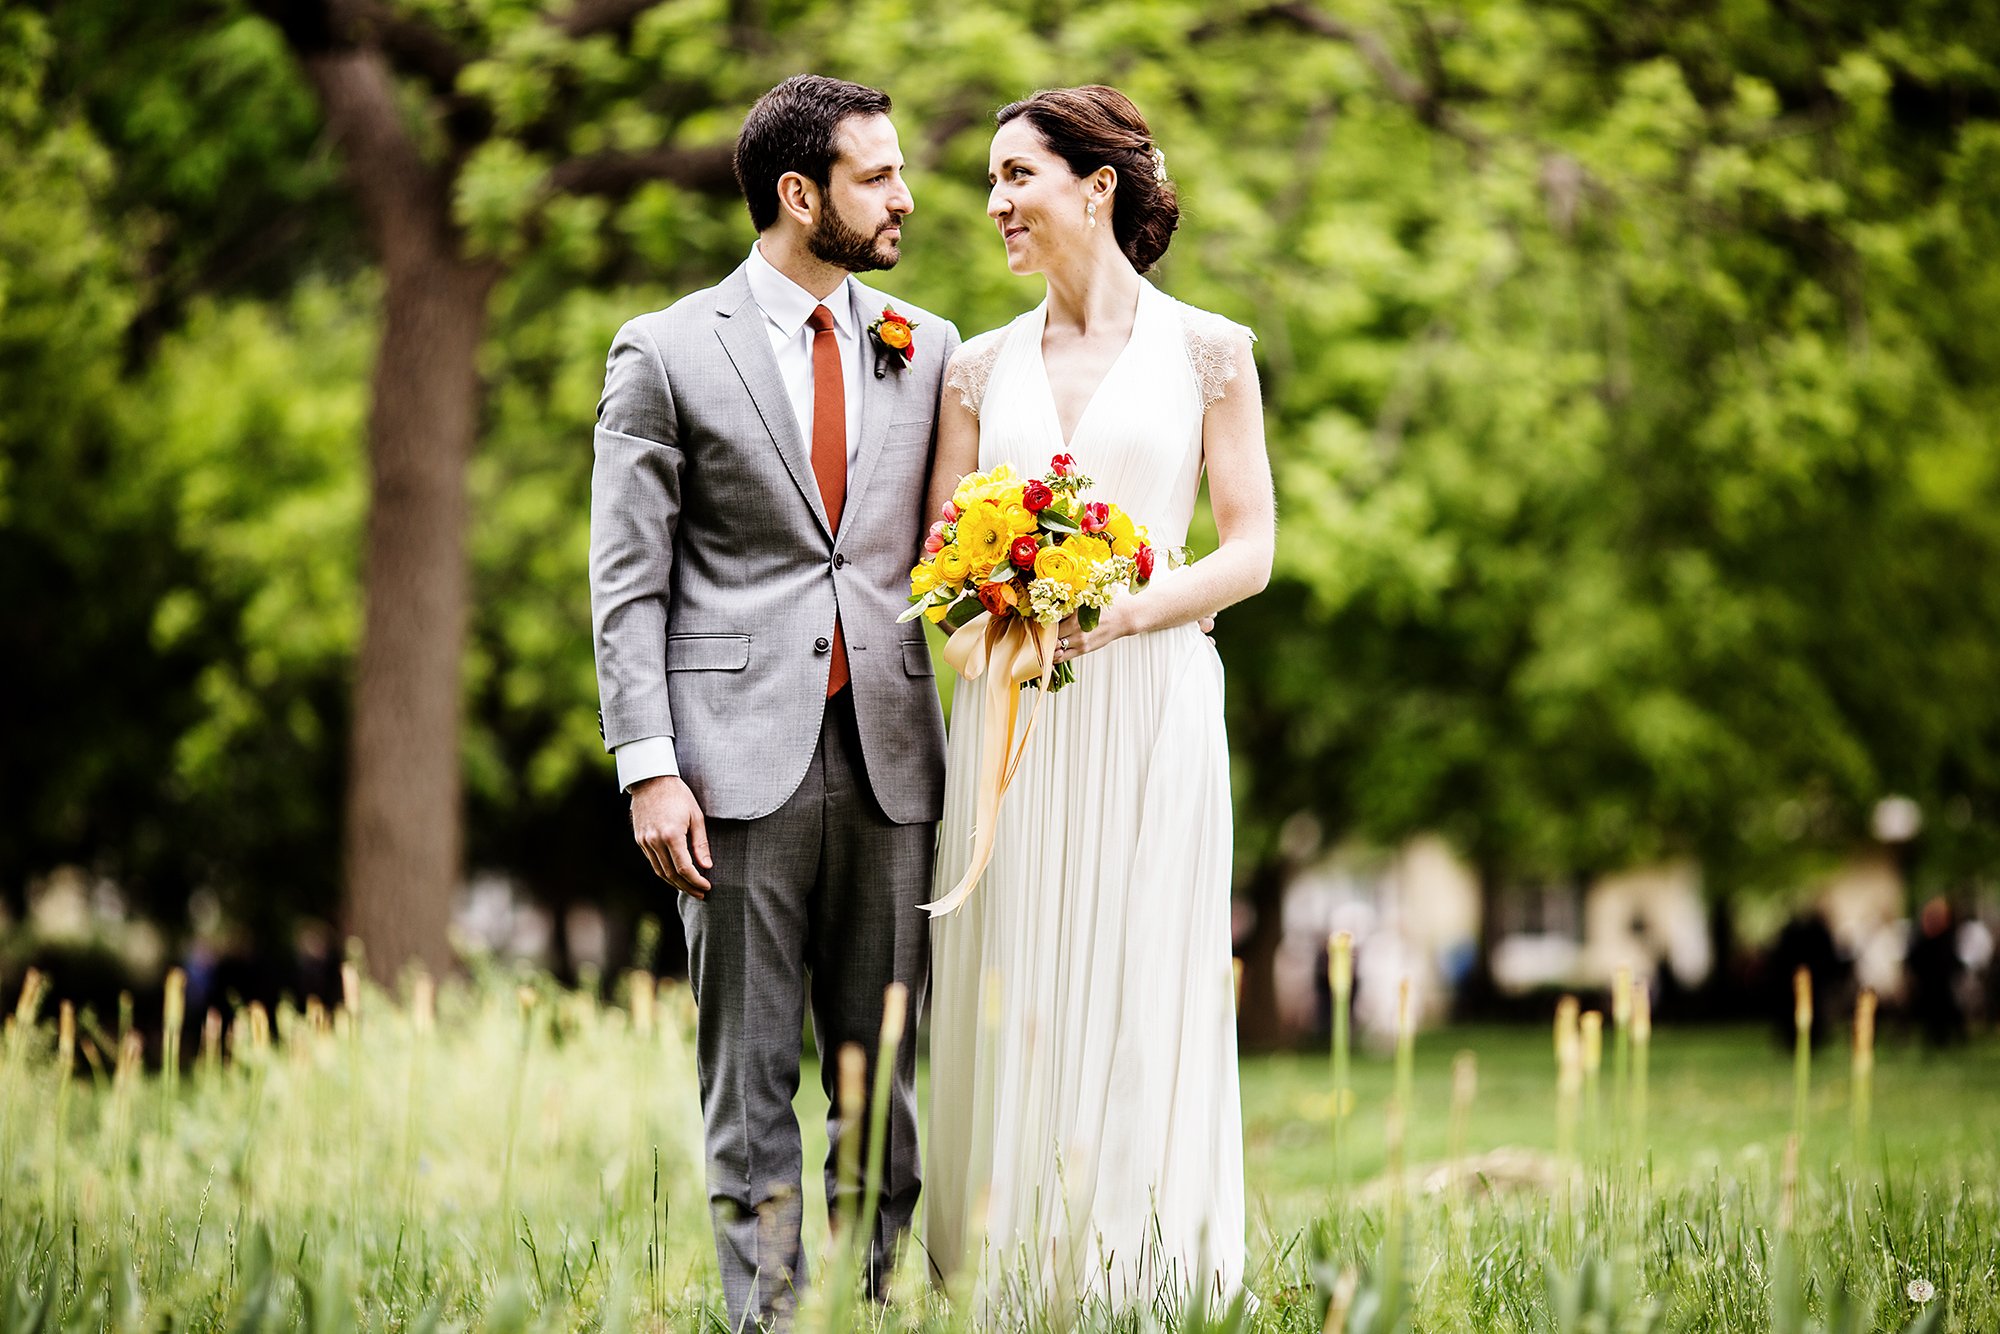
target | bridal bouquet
[
  {"x": 1008, "y": 560},
  {"x": 1033, "y": 548}
]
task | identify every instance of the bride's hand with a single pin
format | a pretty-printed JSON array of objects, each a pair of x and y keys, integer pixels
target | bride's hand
[{"x": 1073, "y": 641}]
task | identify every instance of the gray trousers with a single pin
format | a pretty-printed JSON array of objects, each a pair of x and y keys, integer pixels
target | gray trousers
[{"x": 817, "y": 902}]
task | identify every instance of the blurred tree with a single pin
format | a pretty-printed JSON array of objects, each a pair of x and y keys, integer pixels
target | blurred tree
[
  {"x": 81, "y": 559},
  {"x": 1622, "y": 438},
  {"x": 467, "y": 133},
  {"x": 1630, "y": 379},
  {"x": 176, "y": 740}
]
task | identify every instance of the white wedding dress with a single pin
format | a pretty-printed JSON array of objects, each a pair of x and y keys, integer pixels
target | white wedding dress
[{"x": 1086, "y": 1132}]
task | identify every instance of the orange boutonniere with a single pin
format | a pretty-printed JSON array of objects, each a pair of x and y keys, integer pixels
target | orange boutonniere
[{"x": 893, "y": 337}]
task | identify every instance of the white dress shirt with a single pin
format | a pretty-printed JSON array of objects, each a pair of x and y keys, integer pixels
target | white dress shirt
[{"x": 786, "y": 308}]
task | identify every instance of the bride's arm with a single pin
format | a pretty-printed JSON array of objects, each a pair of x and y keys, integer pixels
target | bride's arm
[
  {"x": 1240, "y": 495},
  {"x": 956, "y": 455}
]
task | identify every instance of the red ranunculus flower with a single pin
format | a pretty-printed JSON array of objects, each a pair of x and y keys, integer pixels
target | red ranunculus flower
[
  {"x": 1095, "y": 516},
  {"x": 1022, "y": 553},
  {"x": 1144, "y": 560},
  {"x": 1062, "y": 465},
  {"x": 1036, "y": 496}
]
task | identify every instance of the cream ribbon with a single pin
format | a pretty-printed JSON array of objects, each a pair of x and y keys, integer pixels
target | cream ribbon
[{"x": 1005, "y": 652}]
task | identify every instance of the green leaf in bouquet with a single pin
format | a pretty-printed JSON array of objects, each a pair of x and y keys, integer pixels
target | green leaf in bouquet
[
  {"x": 1055, "y": 520},
  {"x": 1002, "y": 573},
  {"x": 961, "y": 611},
  {"x": 1088, "y": 617}
]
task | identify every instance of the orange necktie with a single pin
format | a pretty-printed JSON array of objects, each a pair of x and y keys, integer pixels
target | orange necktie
[{"x": 829, "y": 451}]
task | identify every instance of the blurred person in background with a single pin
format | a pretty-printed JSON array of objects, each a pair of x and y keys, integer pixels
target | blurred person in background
[
  {"x": 1805, "y": 942},
  {"x": 1935, "y": 971}
]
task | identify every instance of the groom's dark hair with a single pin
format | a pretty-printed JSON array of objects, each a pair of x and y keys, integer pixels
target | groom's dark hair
[{"x": 791, "y": 129}]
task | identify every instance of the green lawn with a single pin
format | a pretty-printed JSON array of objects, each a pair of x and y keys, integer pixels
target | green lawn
[
  {"x": 1720, "y": 1100},
  {"x": 536, "y": 1166}
]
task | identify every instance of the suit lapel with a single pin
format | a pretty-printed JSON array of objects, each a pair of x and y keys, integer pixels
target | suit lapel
[
  {"x": 879, "y": 397},
  {"x": 741, "y": 330}
]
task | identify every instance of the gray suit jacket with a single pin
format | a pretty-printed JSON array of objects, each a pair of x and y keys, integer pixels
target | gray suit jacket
[{"x": 714, "y": 577}]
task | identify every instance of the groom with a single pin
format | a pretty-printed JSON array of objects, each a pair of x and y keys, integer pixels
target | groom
[{"x": 756, "y": 505}]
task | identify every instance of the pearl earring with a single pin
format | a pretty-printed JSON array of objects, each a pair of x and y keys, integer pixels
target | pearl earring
[{"x": 1093, "y": 212}]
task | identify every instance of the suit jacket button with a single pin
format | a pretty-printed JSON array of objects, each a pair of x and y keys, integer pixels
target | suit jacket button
[
  {"x": 822, "y": 644},
  {"x": 839, "y": 560}
]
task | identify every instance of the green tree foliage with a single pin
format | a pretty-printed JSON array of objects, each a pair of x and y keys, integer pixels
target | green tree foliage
[
  {"x": 1630, "y": 375},
  {"x": 81, "y": 552},
  {"x": 1626, "y": 479}
]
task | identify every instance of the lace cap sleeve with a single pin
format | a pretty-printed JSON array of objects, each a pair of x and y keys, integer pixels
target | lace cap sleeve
[
  {"x": 1211, "y": 345},
  {"x": 972, "y": 365}
]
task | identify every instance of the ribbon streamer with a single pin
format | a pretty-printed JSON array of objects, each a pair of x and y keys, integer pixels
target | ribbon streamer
[{"x": 1006, "y": 653}]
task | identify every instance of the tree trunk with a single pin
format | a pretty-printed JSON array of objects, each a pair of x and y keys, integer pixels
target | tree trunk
[{"x": 404, "y": 841}]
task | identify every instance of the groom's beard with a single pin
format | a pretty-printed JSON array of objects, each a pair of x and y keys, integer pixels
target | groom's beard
[{"x": 833, "y": 242}]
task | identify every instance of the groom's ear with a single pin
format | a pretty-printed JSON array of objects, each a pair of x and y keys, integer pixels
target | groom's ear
[{"x": 799, "y": 198}]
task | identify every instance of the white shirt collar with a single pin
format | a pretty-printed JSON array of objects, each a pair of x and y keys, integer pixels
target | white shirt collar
[{"x": 788, "y": 305}]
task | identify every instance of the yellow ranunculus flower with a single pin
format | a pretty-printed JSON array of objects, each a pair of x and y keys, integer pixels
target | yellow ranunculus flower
[
  {"x": 1125, "y": 547},
  {"x": 983, "y": 536},
  {"x": 952, "y": 566},
  {"x": 1088, "y": 549},
  {"x": 1000, "y": 484},
  {"x": 923, "y": 579},
  {"x": 1058, "y": 565},
  {"x": 1120, "y": 528},
  {"x": 937, "y": 613},
  {"x": 1020, "y": 519}
]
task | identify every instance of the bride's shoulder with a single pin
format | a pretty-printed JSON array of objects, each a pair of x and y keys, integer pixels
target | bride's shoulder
[
  {"x": 972, "y": 365},
  {"x": 1216, "y": 347}
]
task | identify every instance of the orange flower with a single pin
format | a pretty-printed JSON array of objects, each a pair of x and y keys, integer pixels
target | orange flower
[
  {"x": 999, "y": 598},
  {"x": 894, "y": 336}
]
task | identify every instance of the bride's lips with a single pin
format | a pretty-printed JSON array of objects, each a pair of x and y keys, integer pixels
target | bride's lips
[{"x": 1009, "y": 233}]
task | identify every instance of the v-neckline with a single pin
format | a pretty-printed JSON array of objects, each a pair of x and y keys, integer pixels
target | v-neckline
[{"x": 1048, "y": 386}]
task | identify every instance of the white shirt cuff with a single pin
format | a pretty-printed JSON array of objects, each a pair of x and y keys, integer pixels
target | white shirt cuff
[{"x": 648, "y": 757}]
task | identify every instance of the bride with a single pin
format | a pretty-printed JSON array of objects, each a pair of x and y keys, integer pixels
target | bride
[{"x": 1085, "y": 1129}]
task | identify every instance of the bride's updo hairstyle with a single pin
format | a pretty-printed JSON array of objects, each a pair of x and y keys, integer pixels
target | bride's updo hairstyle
[{"x": 1095, "y": 126}]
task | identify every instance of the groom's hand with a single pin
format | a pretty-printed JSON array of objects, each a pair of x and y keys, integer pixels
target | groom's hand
[{"x": 667, "y": 826}]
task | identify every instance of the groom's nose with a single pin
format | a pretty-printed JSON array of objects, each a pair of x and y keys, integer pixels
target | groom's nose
[{"x": 902, "y": 201}]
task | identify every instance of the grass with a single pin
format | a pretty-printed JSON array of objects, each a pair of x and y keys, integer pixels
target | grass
[{"x": 519, "y": 1158}]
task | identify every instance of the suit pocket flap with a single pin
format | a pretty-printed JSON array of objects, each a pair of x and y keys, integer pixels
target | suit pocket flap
[
  {"x": 917, "y": 659},
  {"x": 708, "y": 653}
]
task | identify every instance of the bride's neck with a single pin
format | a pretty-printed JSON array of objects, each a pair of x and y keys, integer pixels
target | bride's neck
[{"x": 1100, "y": 290}]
